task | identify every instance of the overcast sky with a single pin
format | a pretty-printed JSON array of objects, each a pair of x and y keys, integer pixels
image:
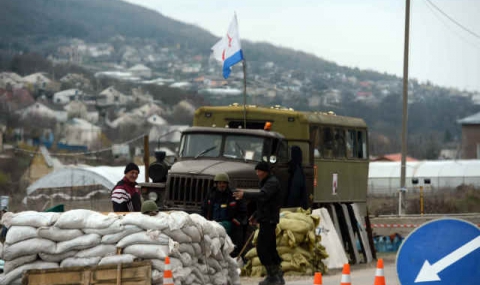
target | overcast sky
[{"x": 368, "y": 34}]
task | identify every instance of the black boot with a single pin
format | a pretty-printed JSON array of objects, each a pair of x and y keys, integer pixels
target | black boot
[
  {"x": 279, "y": 274},
  {"x": 272, "y": 277}
]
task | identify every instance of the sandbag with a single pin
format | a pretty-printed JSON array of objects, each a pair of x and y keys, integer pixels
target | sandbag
[
  {"x": 178, "y": 220},
  {"x": 148, "y": 237},
  {"x": 100, "y": 250},
  {"x": 76, "y": 261},
  {"x": 158, "y": 222},
  {"x": 7, "y": 279},
  {"x": 151, "y": 251},
  {"x": 18, "y": 233},
  {"x": 19, "y": 261},
  {"x": 115, "y": 227},
  {"x": 178, "y": 235},
  {"x": 117, "y": 259},
  {"x": 28, "y": 247},
  {"x": 78, "y": 243},
  {"x": 127, "y": 230},
  {"x": 56, "y": 257},
  {"x": 30, "y": 218},
  {"x": 58, "y": 234},
  {"x": 83, "y": 219},
  {"x": 193, "y": 232}
]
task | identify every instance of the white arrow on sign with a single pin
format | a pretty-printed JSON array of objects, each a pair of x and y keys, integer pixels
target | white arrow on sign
[{"x": 430, "y": 272}]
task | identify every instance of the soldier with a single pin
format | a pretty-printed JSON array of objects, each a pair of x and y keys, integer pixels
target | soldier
[
  {"x": 221, "y": 206},
  {"x": 150, "y": 208}
]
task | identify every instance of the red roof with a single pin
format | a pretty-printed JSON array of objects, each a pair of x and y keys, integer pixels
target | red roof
[{"x": 393, "y": 157}]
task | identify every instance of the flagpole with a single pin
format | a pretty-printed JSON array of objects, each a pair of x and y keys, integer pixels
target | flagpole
[{"x": 244, "y": 93}]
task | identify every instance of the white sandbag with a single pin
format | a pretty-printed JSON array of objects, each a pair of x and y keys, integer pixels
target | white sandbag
[
  {"x": 220, "y": 278},
  {"x": 213, "y": 263},
  {"x": 181, "y": 274},
  {"x": 56, "y": 257},
  {"x": 114, "y": 228},
  {"x": 81, "y": 242},
  {"x": 19, "y": 261},
  {"x": 117, "y": 259},
  {"x": 151, "y": 251},
  {"x": 8, "y": 279},
  {"x": 178, "y": 236},
  {"x": 197, "y": 248},
  {"x": 233, "y": 271},
  {"x": 146, "y": 237},
  {"x": 74, "y": 261},
  {"x": 100, "y": 250},
  {"x": 19, "y": 233},
  {"x": 205, "y": 225},
  {"x": 186, "y": 247},
  {"x": 28, "y": 247},
  {"x": 30, "y": 218},
  {"x": 193, "y": 232},
  {"x": 127, "y": 230},
  {"x": 207, "y": 246},
  {"x": 158, "y": 222},
  {"x": 216, "y": 246},
  {"x": 58, "y": 234},
  {"x": 178, "y": 219},
  {"x": 1, "y": 250},
  {"x": 228, "y": 246},
  {"x": 183, "y": 256},
  {"x": 157, "y": 277},
  {"x": 83, "y": 219},
  {"x": 219, "y": 229}
]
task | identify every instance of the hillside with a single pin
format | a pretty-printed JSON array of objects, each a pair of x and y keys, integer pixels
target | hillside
[{"x": 298, "y": 78}]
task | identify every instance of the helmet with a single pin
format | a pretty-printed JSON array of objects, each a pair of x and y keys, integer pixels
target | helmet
[
  {"x": 221, "y": 177},
  {"x": 149, "y": 206}
]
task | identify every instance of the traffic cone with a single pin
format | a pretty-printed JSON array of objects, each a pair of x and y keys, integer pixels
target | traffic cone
[
  {"x": 379, "y": 276},
  {"x": 167, "y": 273},
  {"x": 346, "y": 280},
  {"x": 317, "y": 278}
]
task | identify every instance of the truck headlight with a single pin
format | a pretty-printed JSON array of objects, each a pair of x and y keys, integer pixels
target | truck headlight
[{"x": 152, "y": 196}]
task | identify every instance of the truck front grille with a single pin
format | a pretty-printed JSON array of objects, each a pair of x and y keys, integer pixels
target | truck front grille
[{"x": 187, "y": 192}]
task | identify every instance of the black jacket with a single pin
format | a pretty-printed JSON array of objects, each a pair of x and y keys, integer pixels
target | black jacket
[
  {"x": 222, "y": 206},
  {"x": 269, "y": 200}
]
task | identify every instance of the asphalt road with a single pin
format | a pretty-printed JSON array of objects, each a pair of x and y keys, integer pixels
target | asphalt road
[{"x": 360, "y": 274}]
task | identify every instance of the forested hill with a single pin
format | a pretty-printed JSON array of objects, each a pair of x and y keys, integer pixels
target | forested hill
[{"x": 27, "y": 22}]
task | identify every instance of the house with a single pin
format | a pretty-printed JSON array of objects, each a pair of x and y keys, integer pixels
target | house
[
  {"x": 11, "y": 80},
  {"x": 470, "y": 136},
  {"x": 186, "y": 106},
  {"x": 147, "y": 110},
  {"x": 43, "y": 110},
  {"x": 13, "y": 100},
  {"x": 78, "y": 109},
  {"x": 140, "y": 70},
  {"x": 76, "y": 80},
  {"x": 111, "y": 96},
  {"x": 80, "y": 132},
  {"x": 65, "y": 96},
  {"x": 166, "y": 135},
  {"x": 156, "y": 120}
]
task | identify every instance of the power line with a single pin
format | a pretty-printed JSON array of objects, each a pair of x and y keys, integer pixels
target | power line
[
  {"x": 449, "y": 27},
  {"x": 453, "y": 20}
]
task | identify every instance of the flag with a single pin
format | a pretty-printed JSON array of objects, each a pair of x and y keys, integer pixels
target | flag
[{"x": 228, "y": 49}]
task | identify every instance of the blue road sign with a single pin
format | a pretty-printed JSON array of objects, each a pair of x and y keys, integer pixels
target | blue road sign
[{"x": 440, "y": 252}]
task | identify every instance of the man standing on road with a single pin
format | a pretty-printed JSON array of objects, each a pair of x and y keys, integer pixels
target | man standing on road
[{"x": 269, "y": 200}]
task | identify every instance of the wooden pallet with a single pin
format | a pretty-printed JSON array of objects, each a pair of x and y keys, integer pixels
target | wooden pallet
[{"x": 135, "y": 273}]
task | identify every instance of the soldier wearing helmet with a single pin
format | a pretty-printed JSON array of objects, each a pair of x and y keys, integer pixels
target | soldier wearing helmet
[
  {"x": 150, "y": 208},
  {"x": 221, "y": 206}
]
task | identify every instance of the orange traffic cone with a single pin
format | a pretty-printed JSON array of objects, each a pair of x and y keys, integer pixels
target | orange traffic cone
[
  {"x": 167, "y": 273},
  {"x": 379, "y": 277},
  {"x": 317, "y": 278},
  {"x": 346, "y": 280}
]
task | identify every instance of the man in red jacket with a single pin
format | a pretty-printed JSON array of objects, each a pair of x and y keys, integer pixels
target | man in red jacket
[{"x": 125, "y": 197}]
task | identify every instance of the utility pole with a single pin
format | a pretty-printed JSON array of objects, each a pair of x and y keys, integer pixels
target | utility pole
[{"x": 405, "y": 107}]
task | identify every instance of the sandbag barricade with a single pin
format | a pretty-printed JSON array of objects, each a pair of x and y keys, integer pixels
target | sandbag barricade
[
  {"x": 297, "y": 244},
  {"x": 199, "y": 250}
]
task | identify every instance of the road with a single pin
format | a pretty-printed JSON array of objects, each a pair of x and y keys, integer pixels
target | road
[{"x": 361, "y": 274}]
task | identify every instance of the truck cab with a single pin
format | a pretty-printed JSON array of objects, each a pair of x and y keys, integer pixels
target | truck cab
[{"x": 207, "y": 151}]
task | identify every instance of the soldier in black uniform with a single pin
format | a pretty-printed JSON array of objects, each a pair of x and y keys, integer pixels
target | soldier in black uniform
[
  {"x": 222, "y": 207},
  {"x": 269, "y": 201}
]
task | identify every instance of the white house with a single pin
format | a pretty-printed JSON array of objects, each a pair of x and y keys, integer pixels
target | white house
[
  {"x": 38, "y": 79},
  {"x": 147, "y": 110},
  {"x": 141, "y": 70},
  {"x": 65, "y": 96},
  {"x": 111, "y": 96},
  {"x": 81, "y": 132},
  {"x": 78, "y": 109},
  {"x": 41, "y": 110},
  {"x": 156, "y": 120},
  {"x": 10, "y": 79}
]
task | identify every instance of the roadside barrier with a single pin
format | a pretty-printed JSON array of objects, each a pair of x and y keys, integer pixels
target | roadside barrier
[
  {"x": 346, "y": 279},
  {"x": 167, "y": 273},
  {"x": 317, "y": 279},
  {"x": 379, "y": 274}
]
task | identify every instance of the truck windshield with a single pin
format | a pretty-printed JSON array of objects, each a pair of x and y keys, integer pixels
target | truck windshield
[{"x": 214, "y": 145}]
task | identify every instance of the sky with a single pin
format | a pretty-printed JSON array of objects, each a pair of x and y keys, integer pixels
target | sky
[{"x": 367, "y": 34}]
